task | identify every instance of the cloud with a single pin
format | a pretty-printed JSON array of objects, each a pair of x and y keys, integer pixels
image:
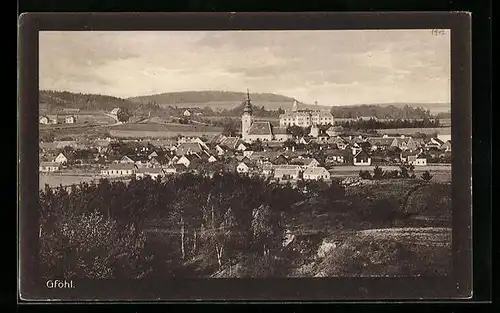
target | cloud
[{"x": 333, "y": 67}]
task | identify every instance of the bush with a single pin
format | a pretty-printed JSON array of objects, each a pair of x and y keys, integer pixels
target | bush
[
  {"x": 378, "y": 173},
  {"x": 365, "y": 174},
  {"x": 426, "y": 176}
]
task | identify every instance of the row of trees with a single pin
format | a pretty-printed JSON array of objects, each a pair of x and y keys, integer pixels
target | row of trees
[
  {"x": 99, "y": 231},
  {"x": 405, "y": 171},
  {"x": 391, "y": 124},
  {"x": 385, "y": 112}
]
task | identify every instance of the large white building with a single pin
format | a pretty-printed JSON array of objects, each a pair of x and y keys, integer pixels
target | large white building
[{"x": 305, "y": 118}]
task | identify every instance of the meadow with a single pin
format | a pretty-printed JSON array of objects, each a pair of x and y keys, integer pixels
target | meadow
[{"x": 410, "y": 131}]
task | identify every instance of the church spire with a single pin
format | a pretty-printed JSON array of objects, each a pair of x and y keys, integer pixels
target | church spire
[{"x": 248, "y": 104}]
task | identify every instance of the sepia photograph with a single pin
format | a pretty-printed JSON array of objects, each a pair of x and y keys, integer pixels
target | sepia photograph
[{"x": 244, "y": 154}]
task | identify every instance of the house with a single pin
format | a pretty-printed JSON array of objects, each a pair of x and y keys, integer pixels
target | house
[
  {"x": 242, "y": 168},
  {"x": 152, "y": 155},
  {"x": 154, "y": 172},
  {"x": 305, "y": 162},
  {"x": 335, "y": 155},
  {"x": 70, "y": 119},
  {"x": 280, "y": 159},
  {"x": 44, "y": 120},
  {"x": 189, "y": 148},
  {"x": 419, "y": 160},
  {"x": 304, "y": 141},
  {"x": 381, "y": 143},
  {"x": 287, "y": 172},
  {"x": 316, "y": 173},
  {"x": 334, "y": 131},
  {"x": 362, "y": 158},
  {"x": 186, "y": 113},
  {"x": 115, "y": 111},
  {"x": 446, "y": 146},
  {"x": 189, "y": 139},
  {"x": 341, "y": 142},
  {"x": 119, "y": 169},
  {"x": 61, "y": 159},
  {"x": 281, "y": 134},
  {"x": 242, "y": 158},
  {"x": 187, "y": 159},
  {"x": 47, "y": 167},
  {"x": 248, "y": 153},
  {"x": 126, "y": 160},
  {"x": 219, "y": 150},
  {"x": 212, "y": 159},
  {"x": 241, "y": 147},
  {"x": 404, "y": 143},
  {"x": 267, "y": 170}
]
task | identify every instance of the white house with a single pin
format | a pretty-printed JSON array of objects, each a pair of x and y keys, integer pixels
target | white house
[
  {"x": 44, "y": 120},
  {"x": 126, "y": 160},
  {"x": 186, "y": 113},
  {"x": 305, "y": 162},
  {"x": 242, "y": 168},
  {"x": 212, "y": 159},
  {"x": 49, "y": 167},
  {"x": 417, "y": 160},
  {"x": 241, "y": 147},
  {"x": 316, "y": 173},
  {"x": 60, "y": 158},
  {"x": 70, "y": 119},
  {"x": 286, "y": 172},
  {"x": 362, "y": 158},
  {"x": 187, "y": 159},
  {"x": 119, "y": 169},
  {"x": 219, "y": 150},
  {"x": 154, "y": 173}
]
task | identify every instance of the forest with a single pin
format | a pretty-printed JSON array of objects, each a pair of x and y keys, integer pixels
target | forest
[{"x": 153, "y": 227}]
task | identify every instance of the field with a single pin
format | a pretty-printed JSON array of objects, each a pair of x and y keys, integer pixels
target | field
[
  {"x": 162, "y": 130},
  {"x": 410, "y": 131},
  {"x": 55, "y": 180}
]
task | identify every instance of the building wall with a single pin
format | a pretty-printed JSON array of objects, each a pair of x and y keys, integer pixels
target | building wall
[
  {"x": 251, "y": 138},
  {"x": 362, "y": 162},
  {"x": 246, "y": 122}
]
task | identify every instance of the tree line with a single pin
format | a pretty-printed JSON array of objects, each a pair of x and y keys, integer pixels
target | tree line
[
  {"x": 383, "y": 112},
  {"x": 392, "y": 124},
  {"x": 100, "y": 230}
]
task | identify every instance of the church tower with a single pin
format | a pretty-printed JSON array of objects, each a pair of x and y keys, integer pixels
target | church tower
[
  {"x": 246, "y": 118},
  {"x": 295, "y": 106}
]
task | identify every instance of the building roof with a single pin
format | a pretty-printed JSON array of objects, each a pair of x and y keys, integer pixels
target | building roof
[
  {"x": 279, "y": 131},
  {"x": 405, "y": 154},
  {"x": 381, "y": 141},
  {"x": 335, "y": 152},
  {"x": 121, "y": 166},
  {"x": 286, "y": 170},
  {"x": 303, "y": 161},
  {"x": 362, "y": 153},
  {"x": 189, "y": 147},
  {"x": 230, "y": 142},
  {"x": 316, "y": 170},
  {"x": 260, "y": 128}
]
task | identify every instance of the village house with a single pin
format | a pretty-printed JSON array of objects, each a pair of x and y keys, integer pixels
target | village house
[
  {"x": 189, "y": 148},
  {"x": 381, "y": 143},
  {"x": 446, "y": 146},
  {"x": 219, "y": 150},
  {"x": 305, "y": 162},
  {"x": 212, "y": 159},
  {"x": 335, "y": 156},
  {"x": 362, "y": 158},
  {"x": 187, "y": 159},
  {"x": 119, "y": 170},
  {"x": 47, "y": 167},
  {"x": 154, "y": 173},
  {"x": 316, "y": 173},
  {"x": 189, "y": 139},
  {"x": 242, "y": 168},
  {"x": 267, "y": 170},
  {"x": 186, "y": 113},
  {"x": 334, "y": 131},
  {"x": 44, "y": 119},
  {"x": 61, "y": 159},
  {"x": 70, "y": 119},
  {"x": 287, "y": 172},
  {"x": 404, "y": 143},
  {"x": 248, "y": 153}
]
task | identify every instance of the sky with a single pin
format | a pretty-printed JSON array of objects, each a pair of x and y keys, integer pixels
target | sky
[{"x": 340, "y": 67}]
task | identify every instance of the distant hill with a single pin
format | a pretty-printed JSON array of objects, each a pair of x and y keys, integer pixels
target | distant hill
[
  {"x": 434, "y": 108},
  {"x": 54, "y": 100}
]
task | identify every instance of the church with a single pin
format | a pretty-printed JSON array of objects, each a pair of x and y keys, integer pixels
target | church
[{"x": 259, "y": 130}]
